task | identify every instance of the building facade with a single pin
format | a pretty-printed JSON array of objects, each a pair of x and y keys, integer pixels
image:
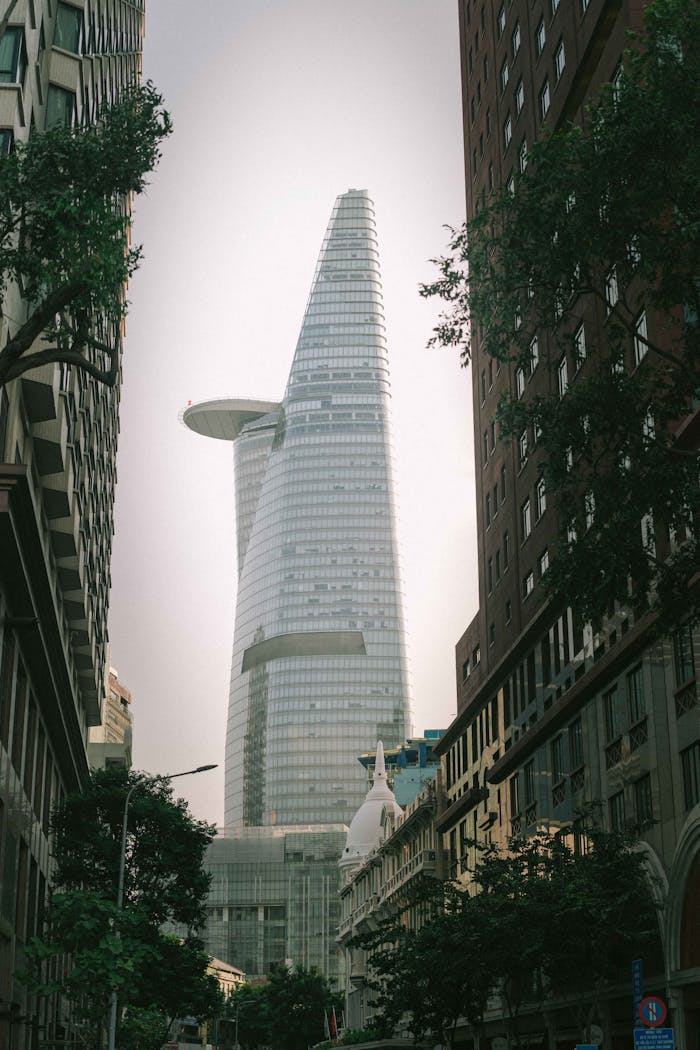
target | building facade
[
  {"x": 556, "y": 715},
  {"x": 58, "y": 436},
  {"x": 388, "y": 850},
  {"x": 109, "y": 744},
  {"x": 319, "y": 668}
]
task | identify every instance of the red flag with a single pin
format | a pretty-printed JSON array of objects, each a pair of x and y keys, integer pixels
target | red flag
[{"x": 334, "y": 1025}]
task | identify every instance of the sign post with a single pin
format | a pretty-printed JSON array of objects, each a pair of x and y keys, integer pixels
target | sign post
[
  {"x": 652, "y": 1011},
  {"x": 637, "y": 991}
]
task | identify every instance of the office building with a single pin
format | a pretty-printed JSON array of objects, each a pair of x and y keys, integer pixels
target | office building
[
  {"x": 109, "y": 743},
  {"x": 556, "y": 715},
  {"x": 58, "y": 438},
  {"x": 319, "y": 668}
]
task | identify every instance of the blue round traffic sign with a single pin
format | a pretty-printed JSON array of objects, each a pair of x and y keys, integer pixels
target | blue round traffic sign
[{"x": 652, "y": 1011}]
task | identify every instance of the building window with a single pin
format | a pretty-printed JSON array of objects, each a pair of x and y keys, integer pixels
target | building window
[
  {"x": 69, "y": 23},
  {"x": 528, "y": 584},
  {"x": 683, "y": 659},
  {"x": 522, "y": 449},
  {"x": 611, "y": 291},
  {"x": 589, "y": 508},
  {"x": 476, "y": 656},
  {"x": 492, "y": 432},
  {"x": 616, "y": 808},
  {"x": 489, "y": 571},
  {"x": 509, "y": 611},
  {"x": 555, "y": 7},
  {"x": 488, "y": 510},
  {"x": 13, "y": 56},
  {"x": 472, "y": 109},
  {"x": 534, "y": 354},
  {"x": 519, "y": 381},
  {"x": 559, "y": 59},
  {"x": 635, "y": 695},
  {"x": 544, "y": 561},
  {"x": 486, "y": 447},
  {"x": 60, "y": 107},
  {"x": 507, "y": 132},
  {"x": 522, "y": 157},
  {"x": 611, "y": 714},
  {"x": 501, "y": 20},
  {"x": 503, "y": 484},
  {"x": 510, "y": 186},
  {"x": 466, "y": 670},
  {"x": 515, "y": 39},
  {"x": 529, "y": 779},
  {"x": 642, "y": 800},
  {"x": 584, "y": 6},
  {"x": 504, "y": 75},
  {"x": 540, "y": 37},
  {"x": 488, "y": 123},
  {"x": 540, "y": 497},
  {"x": 475, "y": 163},
  {"x": 492, "y": 634},
  {"x": 563, "y": 376},
  {"x": 483, "y": 387},
  {"x": 506, "y": 552},
  {"x": 640, "y": 337},
  {"x": 525, "y": 520},
  {"x": 544, "y": 99},
  {"x": 7, "y": 140},
  {"x": 514, "y": 795},
  {"x": 557, "y": 758},
  {"x": 576, "y": 743},
  {"x": 690, "y": 765},
  {"x": 579, "y": 346},
  {"x": 519, "y": 97},
  {"x": 498, "y": 564}
]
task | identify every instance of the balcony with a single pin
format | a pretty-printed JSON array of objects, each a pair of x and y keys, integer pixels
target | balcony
[
  {"x": 423, "y": 863},
  {"x": 613, "y": 753},
  {"x": 639, "y": 734},
  {"x": 686, "y": 698}
]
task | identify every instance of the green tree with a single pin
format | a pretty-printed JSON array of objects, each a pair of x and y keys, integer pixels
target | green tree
[
  {"x": 64, "y": 235},
  {"x": 602, "y": 225},
  {"x": 605, "y": 917},
  {"x": 125, "y": 949},
  {"x": 538, "y": 923},
  {"x": 286, "y": 1012}
]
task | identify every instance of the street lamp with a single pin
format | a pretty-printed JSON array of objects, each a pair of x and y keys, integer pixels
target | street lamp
[{"x": 112, "y": 1034}]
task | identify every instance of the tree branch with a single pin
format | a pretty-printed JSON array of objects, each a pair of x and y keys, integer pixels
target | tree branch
[
  {"x": 54, "y": 303},
  {"x": 67, "y": 357}
]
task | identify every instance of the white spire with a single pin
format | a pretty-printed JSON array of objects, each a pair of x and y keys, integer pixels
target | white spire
[{"x": 365, "y": 832}]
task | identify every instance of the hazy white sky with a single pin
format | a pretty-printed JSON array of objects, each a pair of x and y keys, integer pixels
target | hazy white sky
[{"x": 279, "y": 106}]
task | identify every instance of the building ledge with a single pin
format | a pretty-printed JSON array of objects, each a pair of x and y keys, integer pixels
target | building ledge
[{"x": 31, "y": 604}]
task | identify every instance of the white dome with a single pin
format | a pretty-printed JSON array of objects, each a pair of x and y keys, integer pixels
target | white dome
[{"x": 365, "y": 831}]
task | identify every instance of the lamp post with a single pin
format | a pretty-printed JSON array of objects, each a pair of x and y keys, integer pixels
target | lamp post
[{"x": 112, "y": 1033}]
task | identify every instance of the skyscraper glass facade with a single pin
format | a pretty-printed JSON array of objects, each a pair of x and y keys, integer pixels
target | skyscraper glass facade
[{"x": 319, "y": 670}]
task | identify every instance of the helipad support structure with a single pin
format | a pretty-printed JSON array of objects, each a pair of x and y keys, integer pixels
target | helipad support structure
[{"x": 319, "y": 669}]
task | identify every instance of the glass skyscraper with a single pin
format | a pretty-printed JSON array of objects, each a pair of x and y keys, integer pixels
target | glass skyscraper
[{"x": 319, "y": 668}]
